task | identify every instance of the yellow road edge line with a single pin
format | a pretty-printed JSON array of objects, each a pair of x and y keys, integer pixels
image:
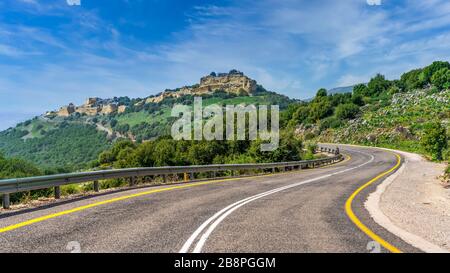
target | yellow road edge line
[
  {"x": 113, "y": 200},
  {"x": 358, "y": 223}
]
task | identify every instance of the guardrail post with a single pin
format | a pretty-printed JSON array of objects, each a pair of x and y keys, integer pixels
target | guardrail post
[
  {"x": 191, "y": 176},
  {"x": 165, "y": 178},
  {"x": 214, "y": 174},
  {"x": 132, "y": 181},
  {"x": 6, "y": 201},
  {"x": 57, "y": 192},
  {"x": 96, "y": 186}
]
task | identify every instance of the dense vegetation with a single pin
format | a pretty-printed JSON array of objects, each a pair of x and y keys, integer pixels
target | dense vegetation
[
  {"x": 71, "y": 146},
  {"x": 72, "y": 142},
  {"x": 411, "y": 113},
  {"x": 16, "y": 168},
  {"x": 166, "y": 152}
]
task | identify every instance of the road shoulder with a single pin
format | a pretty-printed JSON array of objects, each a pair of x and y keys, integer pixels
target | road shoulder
[{"x": 413, "y": 205}]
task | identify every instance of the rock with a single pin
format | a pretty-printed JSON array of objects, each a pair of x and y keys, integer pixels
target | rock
[
  {"x": 233, "y": 82},
  {"x": 109, "y": 109},
  {"x": 405, "y": 132},
  {"x": 122, "y": 109},
  {"x": 91, "y": 101},
  {"x": 371, "y": 138},
  {"x": 66, "y": 111}
]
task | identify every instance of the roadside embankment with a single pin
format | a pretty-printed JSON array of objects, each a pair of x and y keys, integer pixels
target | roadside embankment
[{"x": 414, "y": 205}]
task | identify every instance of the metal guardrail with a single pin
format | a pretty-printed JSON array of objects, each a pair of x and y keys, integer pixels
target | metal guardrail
[{"x": 16, "y": 185}]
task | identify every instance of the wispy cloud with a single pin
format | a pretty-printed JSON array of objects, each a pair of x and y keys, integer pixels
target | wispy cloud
[{"x": 293, "y": 47}]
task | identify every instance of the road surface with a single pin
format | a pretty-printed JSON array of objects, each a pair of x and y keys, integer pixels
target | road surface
[{"x": 302, "y": 211}]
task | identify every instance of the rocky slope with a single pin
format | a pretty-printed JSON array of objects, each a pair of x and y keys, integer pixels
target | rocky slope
[
  {"x": 234, "y": 82},
  {"x": 398, "y": 124}
]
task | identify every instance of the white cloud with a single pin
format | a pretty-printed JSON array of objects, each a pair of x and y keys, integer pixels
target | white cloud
[
  {"x": 349, "y": 79},
  {"x": 293, "y": 47},
  {"x": 374, "y": 2},
  {"x": 74, "y": 2}
]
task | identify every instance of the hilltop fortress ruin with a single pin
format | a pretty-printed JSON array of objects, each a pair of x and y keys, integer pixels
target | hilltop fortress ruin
[
  {"x": 92, "y": 107},
  {"x": 234, "y": 82}
]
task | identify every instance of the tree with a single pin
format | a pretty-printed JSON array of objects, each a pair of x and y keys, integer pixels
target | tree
[
  {"x": 301, "y": 114},
  {"x": 358, "y": 100},
  {"x": 121, "y": 145},
  {"x": 126, "y": 158},
  {"x": 145, "y": 154},
  {"x": 113, "y": 123},
  {"x": 165, "y": 152},
  {"x": 322, "y": 93},
  {"x": 411, "y": 80},
  {"x": 360, "y": 90},
  {"x": 290, "y": 149},
  {"x": 320, "y": 109},
  {"x": 435, "y": 140},
  {"x": 106, "y": 157},
  {"x": 347, "y": 111},
  {"x": 377, "y": 85},
  {"x": 441, "y": 79},
  {"x": 429, "y": 71}
]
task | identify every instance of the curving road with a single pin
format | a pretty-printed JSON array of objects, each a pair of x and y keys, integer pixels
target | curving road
[{"x": 303, "y": 211}]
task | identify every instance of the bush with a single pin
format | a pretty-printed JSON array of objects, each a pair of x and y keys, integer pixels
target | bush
[
  {"x": 441, "y": 79},
  {"x": 377, "y": 85},
  {"x": 112, "y": 183},
  {"x": 347, "y": 111},
  {"x": 330, "y": 122},
  {"x": 358, "y": 99},
  {"x": 435, "y": 140},
  {"x": 312, "y": 147},
  {"x": 70, "y": 189}
]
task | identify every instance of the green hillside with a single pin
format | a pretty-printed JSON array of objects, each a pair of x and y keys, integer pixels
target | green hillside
[
  {"x": 412, "y": 113},
  {"x": 68, "y": 146},
  {"x": 73, "y": 142}
]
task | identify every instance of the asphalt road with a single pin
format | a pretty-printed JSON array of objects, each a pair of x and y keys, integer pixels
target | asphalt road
[{"x": 301, "y": 211}]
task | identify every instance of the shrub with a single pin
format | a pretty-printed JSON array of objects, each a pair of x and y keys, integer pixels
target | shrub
[
  {"x": 441, "y": 79},
  {"x": 330, "y": 122},
  {"x": 435, "y": 140},
  {"x": 377, "y": 85},
  {"x": 312, "y": 147},
  {"x": 347, "y": 111},
  {"x": 70, "y": 189}
]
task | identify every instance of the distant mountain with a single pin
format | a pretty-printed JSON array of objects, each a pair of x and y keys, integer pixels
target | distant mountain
[
  {"x": 74, "y": 135},
  {"x": 336, "y": 90},
  {"x": 341, "y": 90}
]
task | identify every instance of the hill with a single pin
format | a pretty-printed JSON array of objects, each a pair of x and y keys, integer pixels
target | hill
[
  {"x": 411, "y": 113},
  {"x": 341, "y": 90},
  {"x": 73, "y": 136}
]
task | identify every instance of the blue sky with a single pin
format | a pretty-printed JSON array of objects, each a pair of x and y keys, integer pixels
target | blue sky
[{"x": 52, "y": 53}]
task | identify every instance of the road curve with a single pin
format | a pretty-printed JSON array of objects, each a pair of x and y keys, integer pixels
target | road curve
[{"x": 302, "y": 211}]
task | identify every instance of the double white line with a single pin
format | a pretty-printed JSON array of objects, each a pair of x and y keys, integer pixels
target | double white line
[{"x": 217, "y": 218}]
